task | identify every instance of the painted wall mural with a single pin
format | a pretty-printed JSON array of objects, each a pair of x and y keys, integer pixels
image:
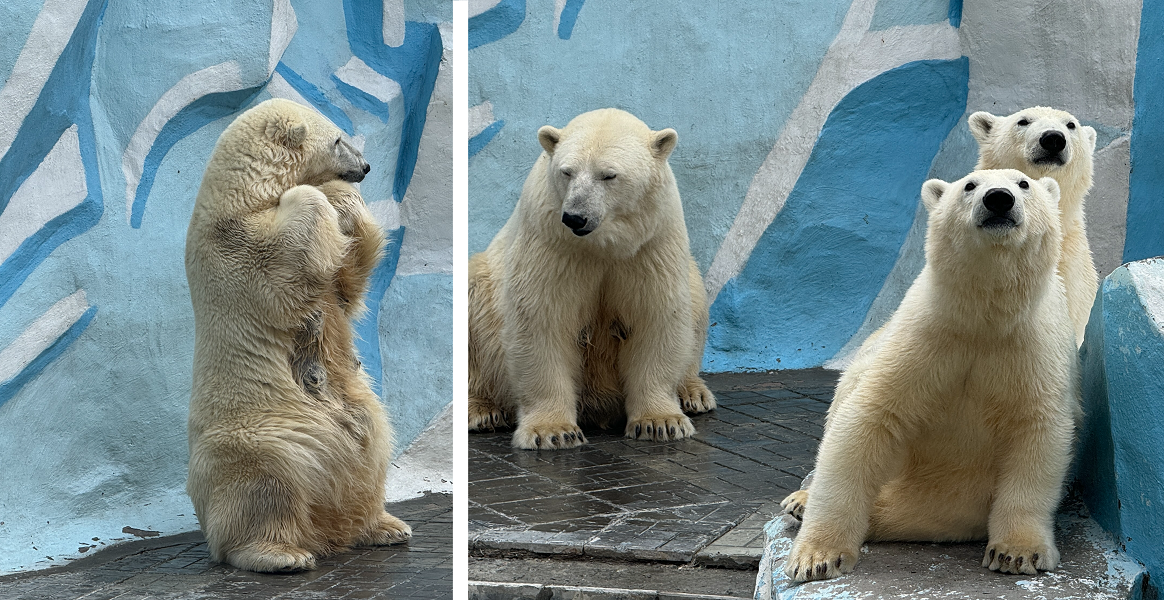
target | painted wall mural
[
  {"x": 109, "y": 113},
  {"x": 806, "y": 131}
]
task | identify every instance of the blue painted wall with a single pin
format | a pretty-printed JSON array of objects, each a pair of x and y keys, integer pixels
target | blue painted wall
[{"x": 98, "y": 173}]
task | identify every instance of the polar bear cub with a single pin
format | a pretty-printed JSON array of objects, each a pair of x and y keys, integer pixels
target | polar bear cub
[
  {"x": 587, "y": 305},
  {"x": 956, "y": 422},
  {"x": 1044, "y": 142}
]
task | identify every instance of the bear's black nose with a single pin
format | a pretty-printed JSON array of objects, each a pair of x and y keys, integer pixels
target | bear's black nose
[
  {"x": 998, "y": 201},
  {"x": 367, "y": 167},
  {"x": 1053, "y": 141},
  {"x": 574, "y": 222}
]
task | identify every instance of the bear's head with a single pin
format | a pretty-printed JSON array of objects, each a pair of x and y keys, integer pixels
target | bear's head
[
  {"x": 996, "y": 225},
  {"x": 1038, "y": 141},
  {"x": 299, "y": 145},
  {"x": 604, "y": 167}
]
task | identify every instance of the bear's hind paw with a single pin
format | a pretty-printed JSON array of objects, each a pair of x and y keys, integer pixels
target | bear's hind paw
[
  {"x": 661, "y": 428},
  {"x": 484, "y": 415},
  {"x": 695, "y": 397},
  {"x": 387, "y": 530},
  {"x": 271, "y": 557}
]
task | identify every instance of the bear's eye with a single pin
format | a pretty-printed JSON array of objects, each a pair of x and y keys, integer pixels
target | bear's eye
[
  {"x": 337, "y": 141},
  {"x": 1071, "y": 125},
  {"x": 1024, "y": 185},
  {"x": 970, "y": 186},
  {"x": 1023, "y": 123},
  {"x": 567, "y": 172},
  {"x": 609, "y": 176}
]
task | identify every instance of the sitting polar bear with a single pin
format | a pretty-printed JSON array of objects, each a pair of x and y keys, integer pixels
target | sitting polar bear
[
  {"x": 289, "y": 446},
  {"x": 587, "y": 305},
  {"x": 956, "y": 421},
  {"x": 1044, "y": 142}
]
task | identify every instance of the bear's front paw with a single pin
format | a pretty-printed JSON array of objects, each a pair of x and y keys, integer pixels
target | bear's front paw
[
  {"x": 548, "y": 437},
  {"x": 387, "y": 530},
  {"x": 795, "y": 502},
  {"x": 695, "y": 397},
  {"x": 660, "y": 428},
  {"x": 808, "y": 561},
  {"x": 485, "y": 415},
  {"x": 1028, "y": 558}
]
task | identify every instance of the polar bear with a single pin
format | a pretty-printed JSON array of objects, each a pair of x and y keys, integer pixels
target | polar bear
[
  {"x": 588, "y": 305},
  {"x": 1044, "y": 142},
  {"x": 956, "y": 423},
  {"x": 289, "y": 446}
]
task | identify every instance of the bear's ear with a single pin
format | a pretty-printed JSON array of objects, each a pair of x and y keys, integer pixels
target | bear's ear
[
  {"x": 287, "y": 132},
  {"x": 981, "y": 124},
  {"x": 931, "y": 193},
  {"x": 1052, "y": 188},
  {"x": 1089, "y": 137},
  {"x": 663, "y": 142},
  {"x": 549, "y": 137}
]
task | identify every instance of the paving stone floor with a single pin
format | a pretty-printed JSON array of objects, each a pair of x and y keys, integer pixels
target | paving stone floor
[
  {"x": 670, "y": 502},
  {"x": 178, "y": 568}
]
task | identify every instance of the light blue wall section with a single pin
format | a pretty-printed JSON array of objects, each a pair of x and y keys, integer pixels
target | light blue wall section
[
  {"x": 1145, "y": 237},
  {"x": 96, "y": 190}
]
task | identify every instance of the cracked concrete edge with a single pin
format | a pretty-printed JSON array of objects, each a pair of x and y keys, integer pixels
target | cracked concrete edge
[
  {"x": 427, "y": 464},
  {"x": 487, "y": 590}
]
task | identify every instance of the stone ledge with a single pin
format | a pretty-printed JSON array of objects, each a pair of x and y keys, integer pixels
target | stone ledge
[
  {"x": 1091, "y": 568},
  {"x": 486, "y": 590}
]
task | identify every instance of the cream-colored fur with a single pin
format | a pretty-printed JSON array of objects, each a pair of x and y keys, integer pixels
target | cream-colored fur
[
  {"x": 1005, "y": 144},
  {"x": 956, "y": 422},
  {"x": 568, "y": 327},
  {"x": 289, "y": 446}
]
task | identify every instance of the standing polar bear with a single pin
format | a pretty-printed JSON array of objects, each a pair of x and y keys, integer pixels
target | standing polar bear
[
  {"x": 587, "y": 305},
  {"x": 1044, "y": 142},
  {"x": 289, "y": 446},
  {"x": 956, "y": 422}
]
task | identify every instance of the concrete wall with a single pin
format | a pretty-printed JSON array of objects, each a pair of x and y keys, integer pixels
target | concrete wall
[
  {"x": 807, "y": 128},
  {"x": 108, "y": 113}
]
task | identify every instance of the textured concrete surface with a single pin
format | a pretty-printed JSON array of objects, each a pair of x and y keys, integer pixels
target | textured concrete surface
[
  {"x": 631, "y": 500},
  {"x": 1091, "y": 568},
  {"x": 178, "y": 568},
  {"x": 518, "y": 576}
]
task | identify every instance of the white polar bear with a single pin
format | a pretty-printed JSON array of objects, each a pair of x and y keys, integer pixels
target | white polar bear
[
  {"x": 1044, "y": 142},
  {"x": 587, "y": 305},
  {"x": 956, "y": 422}
]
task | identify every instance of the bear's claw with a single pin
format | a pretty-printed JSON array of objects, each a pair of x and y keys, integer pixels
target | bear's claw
[
  {"x": 553, "y": 437},
  {"x": 660, "y": 428},
  {"x": 1020, "y": 558}
]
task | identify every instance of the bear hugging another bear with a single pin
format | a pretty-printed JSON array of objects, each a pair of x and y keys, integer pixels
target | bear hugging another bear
[
  {"x": 587, "y": 306},
  {"x": 289, "y": 446}
]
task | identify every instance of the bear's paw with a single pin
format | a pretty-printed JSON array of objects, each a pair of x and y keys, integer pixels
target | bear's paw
[
  {"x": 809, "y": 561},
  {"x": 660, "y": 428},
  {"x": 695, "y": 397},
  {"x": 554, "y": 436},
  {"x": 1021, "y": 557},
  {"x": 485, "y": 415},
  {"x": 387, "y": 530},
  {"x": 795, "y": 502},
  {"x": 271, "y": 557}
]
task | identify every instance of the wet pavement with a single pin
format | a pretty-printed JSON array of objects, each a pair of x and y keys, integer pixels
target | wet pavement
[
  {"x": 694, "y": 503},
  {"x": 178, "y": 568}
]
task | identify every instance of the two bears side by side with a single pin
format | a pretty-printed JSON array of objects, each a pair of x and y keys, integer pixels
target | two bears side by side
[
  {"x": 289, "y": 446},
  {"x": 587, "y": 305}
]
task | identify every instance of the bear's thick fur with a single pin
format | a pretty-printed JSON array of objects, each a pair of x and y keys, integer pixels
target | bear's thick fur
[
  {"x": 1045, "y": 142},
  {"x": 587, "y": 305},
  {"x": 289, "y": 446},
  {"x": 956, "y": 421}
]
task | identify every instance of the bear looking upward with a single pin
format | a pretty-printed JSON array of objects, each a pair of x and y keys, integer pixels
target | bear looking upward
[
  {"x": 587, "y": 305},
  {"x": 288, "y": 445},
  {"x": 956, "y": 421},
  {"x": 1044, "y": 142}
]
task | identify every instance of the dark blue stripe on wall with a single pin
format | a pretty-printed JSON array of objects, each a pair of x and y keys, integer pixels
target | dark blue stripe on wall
[
  {"x": 63, "y": 102},
  {"x": 568, "y": 18},
  {"x": 191, "y": 118},
  {"x": 9, "y": 388},
  {"x": 368, "y": 328},
  {"x": 956, "y": 13},
  {"x": 362, "y": 100},
  {"x": 316, "y": 97},
  {"x": 1145, "y": 224},
  {"x": 815, "y": 271},
  {"x": 479, "y": 141},
  {"x": 499, "y": 21},
  {"x": 413, "y": 65}
]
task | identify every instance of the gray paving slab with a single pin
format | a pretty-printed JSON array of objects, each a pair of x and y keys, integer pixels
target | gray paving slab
[
  {"x": 623, "y": 499},
  {"x": 179, "y": 568},
  {"x": 514, "y": 578}
]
